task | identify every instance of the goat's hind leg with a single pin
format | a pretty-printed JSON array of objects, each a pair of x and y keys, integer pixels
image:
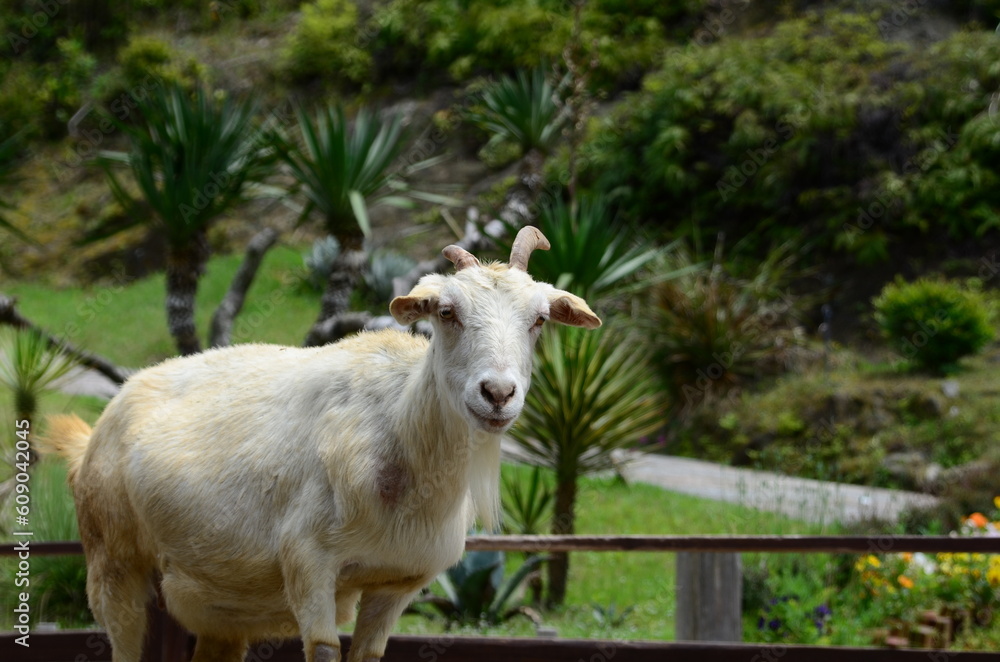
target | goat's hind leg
[{"x": 119, "y": 597}]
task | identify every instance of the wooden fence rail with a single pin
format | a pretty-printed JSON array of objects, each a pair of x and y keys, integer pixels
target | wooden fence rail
[
  {"x": 885, "y": 544},
  {"x": 167, "y": 642}
]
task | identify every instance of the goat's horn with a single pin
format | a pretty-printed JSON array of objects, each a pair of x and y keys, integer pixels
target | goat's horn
[
  {"x": 528, "y": 239},
  {"x": 461, "y": 258}
]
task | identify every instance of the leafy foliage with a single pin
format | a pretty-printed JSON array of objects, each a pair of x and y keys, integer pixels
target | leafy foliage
[
  {"x": 527, "y": 508},
  {"x": 343, "y": 168},
  {"x": 28, "y": 366},
  {"x": 477, "y": 593},
  {"x": 9, "y": 147},
  {"x": 323, "y": 44},
  {"x": 191, "y": 157},
  {"x": 319, "y": 262},
  {"x": 386, "y": 266},
  {"x": 592, "y": 253},
  {"x": 933, "y": 323},
  {"x": 522, "y": 109},
  {"x": 712, "y": 331},
  {"x": 817, "y": 125},
  {"x": 469, "y": 38},
  {"x": 591, "y": 394}
]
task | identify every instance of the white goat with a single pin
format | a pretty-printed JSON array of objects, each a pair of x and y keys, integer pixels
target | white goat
[{"x": 260, "y": 491}]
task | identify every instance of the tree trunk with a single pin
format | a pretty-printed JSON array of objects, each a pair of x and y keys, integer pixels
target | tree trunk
[
  {"x": 9, "y": 315},
  {"x": 232, "y": 303},
  {"x": 563, "y": 523},
  {"x": 344, "y": 277},
  {"x": 185, "y": 266}
]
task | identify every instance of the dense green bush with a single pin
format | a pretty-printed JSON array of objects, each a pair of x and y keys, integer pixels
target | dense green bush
[
  {"x": 468, "y": 38},
  {"x": 818, "y": 125},
  {"x": 933, "y": 323},
  {"x": 712, "y": 331},
  {"x": 323, "y": 44}
]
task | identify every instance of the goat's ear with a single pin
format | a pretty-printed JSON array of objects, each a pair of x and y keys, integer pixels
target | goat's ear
[
  {"x": 419, "y": 303},
  {"x": 571, "y": 310}
]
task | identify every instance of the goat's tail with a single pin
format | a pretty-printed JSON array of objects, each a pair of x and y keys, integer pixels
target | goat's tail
[{"x": 68, "y": 436}]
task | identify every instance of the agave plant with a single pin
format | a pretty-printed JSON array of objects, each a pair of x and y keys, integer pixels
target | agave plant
[
  {"x": 192, "y": 159},
  {"x": 477, "y": 593},
  {"x": 343, "y": 169},
  {"x": 591, "y": 395},
  {"x": 28, "y": 366}
]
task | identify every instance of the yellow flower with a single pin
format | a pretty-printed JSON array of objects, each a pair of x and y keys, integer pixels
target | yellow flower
[
  {"x": 905, "y": 581},
  {"x": 996, "y": 502},
  {"x": 873, "y": 561}
]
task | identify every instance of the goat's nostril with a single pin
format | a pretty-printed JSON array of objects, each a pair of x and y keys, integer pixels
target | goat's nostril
[{"x": 497, "y": 394}]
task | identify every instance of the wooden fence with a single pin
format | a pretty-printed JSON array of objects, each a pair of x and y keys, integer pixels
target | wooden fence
[{"x": 167, "y": 642}]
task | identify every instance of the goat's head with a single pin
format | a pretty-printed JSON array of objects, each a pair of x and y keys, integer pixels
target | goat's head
[{"x": 486, "y": 319}]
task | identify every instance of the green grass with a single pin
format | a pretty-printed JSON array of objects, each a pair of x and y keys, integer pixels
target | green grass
[
  {"x": 127, "y": 324},
  {"x": 642, "y": 580}
]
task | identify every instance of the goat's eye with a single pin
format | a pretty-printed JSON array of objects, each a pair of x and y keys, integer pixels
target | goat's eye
[
  {"x": 539, "y": 322},
  {"x": 447, "y": 314}
]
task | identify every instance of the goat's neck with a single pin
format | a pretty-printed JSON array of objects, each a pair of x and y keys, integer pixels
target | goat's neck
[{"x": 440, "y": 445}]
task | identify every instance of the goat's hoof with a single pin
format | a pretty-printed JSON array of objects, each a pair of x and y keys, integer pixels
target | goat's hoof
[{"x": 326, "y": 653}]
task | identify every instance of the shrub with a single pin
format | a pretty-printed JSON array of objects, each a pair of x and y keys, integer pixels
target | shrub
[
  {"x": 712, "y": 331},
  {"x": 323, "y": 44},
  {"x": 147, "y": 57},
  {"x": 933, "y": 323},
  {"x": 386, "y": 266},
  {"x": 765, "y": 129}
]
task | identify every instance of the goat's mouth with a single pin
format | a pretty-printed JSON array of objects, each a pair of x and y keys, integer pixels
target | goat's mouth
[{"x": 491, "y": 423}]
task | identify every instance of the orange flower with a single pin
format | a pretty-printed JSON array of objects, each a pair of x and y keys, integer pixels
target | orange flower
[
  {"x": 978, "y": 520},
  {"x": 905, "y": 581}
]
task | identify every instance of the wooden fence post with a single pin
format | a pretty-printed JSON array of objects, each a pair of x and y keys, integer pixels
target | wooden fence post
[{"x": 709, "y": 596}]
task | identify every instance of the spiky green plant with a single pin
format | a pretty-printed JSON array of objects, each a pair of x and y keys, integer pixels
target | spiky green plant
[
  {"x": 28, "y": 366},
  {"x": 522, "y": 109},
  {"x": 192, "y": 157},
  {"x": 592, "y": 394},
  {"x": 477, "y": 592},
  {"x": 343, "y": 168},
  {"x": 592, "y": 254}
]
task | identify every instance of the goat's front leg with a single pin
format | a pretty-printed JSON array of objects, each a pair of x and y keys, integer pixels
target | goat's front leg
[
  {"x": 310, "y": 587},
  {"x": 380, "y": 609}
]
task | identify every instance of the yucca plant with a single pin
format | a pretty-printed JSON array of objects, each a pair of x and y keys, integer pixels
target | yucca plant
[
  {"x": 522, "y": 109},
  {"x": 591, "y": 394},
  {"x": 476, "y": 592},
  {"x": 192, "y": 158},
  {"x": 342, "y": 169},
  {"x": 592, "y": 254},
  {"x": 28, "y": 366}
]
